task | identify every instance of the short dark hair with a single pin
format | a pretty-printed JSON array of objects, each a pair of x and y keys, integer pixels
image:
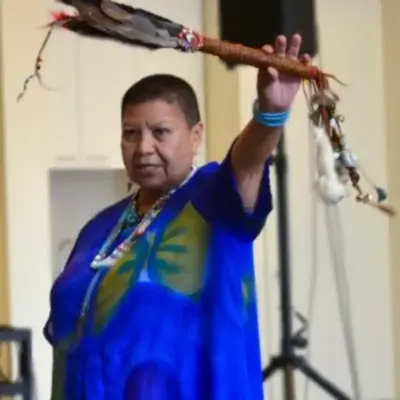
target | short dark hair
[{"x": 169, "y": 88}]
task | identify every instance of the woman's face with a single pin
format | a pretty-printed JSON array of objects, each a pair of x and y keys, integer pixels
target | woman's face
[{"x": 158, "y": 145}]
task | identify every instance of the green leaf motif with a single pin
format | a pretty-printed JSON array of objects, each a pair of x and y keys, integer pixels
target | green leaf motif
[
  {"x": 120, "y": 278},
  {"x": 179, "y": 260},
  {"x": 248, "y": 292}
]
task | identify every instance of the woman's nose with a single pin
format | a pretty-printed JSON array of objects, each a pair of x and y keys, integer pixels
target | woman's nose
[{"x": 145, "y": 143}]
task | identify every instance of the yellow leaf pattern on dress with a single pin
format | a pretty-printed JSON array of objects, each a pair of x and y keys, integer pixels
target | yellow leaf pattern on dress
[
  {"x": 180, "y": 258},
  {"x": 120, "y": 278},
  {"x": 248, "y": 292}
]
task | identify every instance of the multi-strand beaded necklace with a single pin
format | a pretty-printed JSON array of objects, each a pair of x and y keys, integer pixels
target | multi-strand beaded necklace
[{"x": 130, "y": 217}]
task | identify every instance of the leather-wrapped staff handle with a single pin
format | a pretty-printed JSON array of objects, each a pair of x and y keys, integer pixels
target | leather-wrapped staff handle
[
  {"x": 237, "y": 53},
  {"x": 240, "y": 54}
]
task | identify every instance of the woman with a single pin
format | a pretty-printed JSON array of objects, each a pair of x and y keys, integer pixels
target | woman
[{"x": 157, "y": 299}]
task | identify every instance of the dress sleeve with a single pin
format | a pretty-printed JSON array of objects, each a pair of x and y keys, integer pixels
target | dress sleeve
[
  {"x": 220, "y": 203},
  {"x": 48, "y": 328}
]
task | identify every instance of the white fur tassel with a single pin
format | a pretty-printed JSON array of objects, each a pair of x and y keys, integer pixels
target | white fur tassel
[{"x": 329, "y": 187}]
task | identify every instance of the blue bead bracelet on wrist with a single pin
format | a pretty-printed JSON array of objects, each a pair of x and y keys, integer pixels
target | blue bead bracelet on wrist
[{"x": 269, "y": 119}]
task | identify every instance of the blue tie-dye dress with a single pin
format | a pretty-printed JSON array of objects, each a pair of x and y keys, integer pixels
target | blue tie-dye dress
[{"x": 175, "y": 318}]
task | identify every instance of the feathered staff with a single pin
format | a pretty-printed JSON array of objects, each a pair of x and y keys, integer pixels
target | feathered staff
[{"x": 105, "y": 19}]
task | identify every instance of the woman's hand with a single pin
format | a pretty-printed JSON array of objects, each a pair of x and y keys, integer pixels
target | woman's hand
[
  {"x": 275, "y": 90},
  {"x": 256, "y": 142}
]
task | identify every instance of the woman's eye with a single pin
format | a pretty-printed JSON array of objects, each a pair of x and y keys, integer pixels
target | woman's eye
[
  {"x": 161, "y": 131},
  {"x": 127, "y": 133}
]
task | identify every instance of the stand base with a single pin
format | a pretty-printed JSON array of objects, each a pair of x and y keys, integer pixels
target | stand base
[{"x": 296, "y": 362}]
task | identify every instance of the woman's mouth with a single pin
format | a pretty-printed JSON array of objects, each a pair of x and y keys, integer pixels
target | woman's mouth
[{"x": 147, "y": 168}]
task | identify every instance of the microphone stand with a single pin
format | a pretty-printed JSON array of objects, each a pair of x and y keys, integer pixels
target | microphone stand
[{"x": 288, "y": 361}]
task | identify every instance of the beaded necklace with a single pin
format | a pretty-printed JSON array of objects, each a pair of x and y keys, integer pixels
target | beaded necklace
[{"x": 130, "y": 217}]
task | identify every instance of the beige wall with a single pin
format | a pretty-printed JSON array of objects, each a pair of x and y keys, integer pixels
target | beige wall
[
  {"x": 391, "y": 29},
  {"x": 222, "y": 94},
  {"x": 4, "y": 292}
]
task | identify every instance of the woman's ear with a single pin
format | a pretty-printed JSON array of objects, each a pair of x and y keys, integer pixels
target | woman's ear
[{"x": 197, "y": 133}]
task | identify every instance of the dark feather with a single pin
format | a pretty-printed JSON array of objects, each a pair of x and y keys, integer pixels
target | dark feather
[
  {"x": 82, "y": 28},
  {"x": 155, "y": 18},
  {"x": 123, "y": 23}
]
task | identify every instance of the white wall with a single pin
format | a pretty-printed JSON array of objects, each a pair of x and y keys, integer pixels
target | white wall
[{"x": 74, "y": 198}]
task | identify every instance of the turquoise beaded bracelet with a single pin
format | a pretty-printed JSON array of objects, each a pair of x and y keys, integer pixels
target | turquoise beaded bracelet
[{"x": 270, "y": 120}]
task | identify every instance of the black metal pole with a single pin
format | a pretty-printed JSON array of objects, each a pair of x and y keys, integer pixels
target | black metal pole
[
  {"x": 288, "y": 361},
  {"x": 287, "y": 352},
  {"x": 284, "y": 248}
]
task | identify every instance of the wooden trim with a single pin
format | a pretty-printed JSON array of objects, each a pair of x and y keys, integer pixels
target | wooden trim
[{"x": 4, "y": 277}]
